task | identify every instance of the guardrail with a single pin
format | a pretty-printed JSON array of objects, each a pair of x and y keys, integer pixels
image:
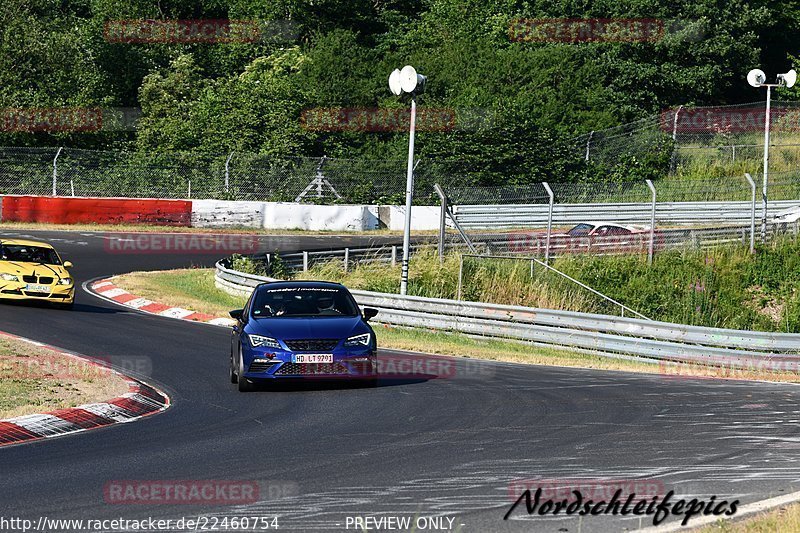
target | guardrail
[
  {"x": 536, "y": 215},
  {"x": 602, "y": 334}
]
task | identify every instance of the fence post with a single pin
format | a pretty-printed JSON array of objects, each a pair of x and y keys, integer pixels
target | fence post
[
  {"x": 305, "y": 261},
  {"x": 460, "y": 275},
  {"x": 674, "y": 139},
  {"x": 346, "y": 259},
  {"x": 549, "y": 222},
  {"x": 650, "y": 247},
  {"x": 752, "y": 183},
  {"x": 227, "y": 173},
  {"x": 394, "y": 256},
  {"x": 72, "y": 188},
  {"x": 189, "y": 191},
  {"x": 55, "y": 170},
  {"x": 442, "y": 223},
  {"x": 588, "y": 143}
]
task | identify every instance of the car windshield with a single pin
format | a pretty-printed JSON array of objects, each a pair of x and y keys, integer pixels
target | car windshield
[
  {"x": 29, "y": 254},
  {"x": 580, "y": 229},
  {"x": 303, "y": 301}
]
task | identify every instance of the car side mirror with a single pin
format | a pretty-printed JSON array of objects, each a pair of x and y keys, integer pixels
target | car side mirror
[
  {"x": 236, "y": 313},
  {"x": 67, "y": 264},
  {"x": 369, "y": 312}
]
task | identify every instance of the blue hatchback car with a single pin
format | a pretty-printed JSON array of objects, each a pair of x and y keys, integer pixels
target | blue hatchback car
[{"x": 301, "y": 329}]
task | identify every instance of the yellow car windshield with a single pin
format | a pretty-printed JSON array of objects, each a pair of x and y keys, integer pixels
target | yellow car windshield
[{"x": 29, "y": 254}]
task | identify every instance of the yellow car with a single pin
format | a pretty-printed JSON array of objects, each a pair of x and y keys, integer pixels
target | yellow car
[{"x": 31, "y": 270}]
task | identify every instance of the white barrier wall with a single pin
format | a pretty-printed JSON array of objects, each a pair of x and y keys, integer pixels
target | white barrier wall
[{"x": 286, "y": 215}]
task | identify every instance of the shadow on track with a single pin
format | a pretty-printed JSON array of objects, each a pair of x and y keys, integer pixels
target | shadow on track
[
  {"x": 76, "y": 308},
  {"x": 306, "y": 385}
]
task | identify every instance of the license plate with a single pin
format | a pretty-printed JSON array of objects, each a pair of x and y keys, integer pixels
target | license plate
[
  {"x": 312, "y": 358},
  {"x": 37, "y": 288}
]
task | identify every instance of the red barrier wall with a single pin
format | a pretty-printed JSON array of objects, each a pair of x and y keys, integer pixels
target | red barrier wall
[{"x": 59, "y": 210}]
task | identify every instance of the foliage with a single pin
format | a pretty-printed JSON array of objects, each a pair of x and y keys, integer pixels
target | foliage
[{"x": 531, "y": 97}]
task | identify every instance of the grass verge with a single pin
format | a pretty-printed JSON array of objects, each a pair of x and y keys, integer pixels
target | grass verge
[
  {"x": 194, "y": 289},
  {"x": 36, "y": 380},
  {"x": 785, "y": 519}
]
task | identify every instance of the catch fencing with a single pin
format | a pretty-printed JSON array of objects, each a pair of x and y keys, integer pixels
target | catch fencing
[
  {"x": 655, "y": 215},
  {"x": 194, "y": 175},
  {"x": 687, "y": 136},
  {"x": 604, "y": 334}
]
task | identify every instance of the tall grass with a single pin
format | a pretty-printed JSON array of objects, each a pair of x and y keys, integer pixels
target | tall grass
[{"x": 723, "y": 287}]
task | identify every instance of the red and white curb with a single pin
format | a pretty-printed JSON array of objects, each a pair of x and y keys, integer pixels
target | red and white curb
[
  {"x": 140, "y": 401},
  {"x": 106, "y": 289}
]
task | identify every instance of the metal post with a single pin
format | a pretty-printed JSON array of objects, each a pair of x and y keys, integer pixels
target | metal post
[
  {"x": 71, "y": 188},
  {"x": 650, "y": 247},
  {"x": 227, "y": 173},
  {"x": 346, "y": 259},
  {"x": 766, "y": 167},
  {"x": 549, "y": 222},
  {"x": 752, "y": 183},
  {"x": 442, "y": 223},
  {"x": 394, "y": 256},
  {"x": 588, "y": 143},
  {"x": 305, "y": 261},
  {"x": 55, "y": 170},
  {"x": 460, "y": 275},
  {"x": 189, "y": 191},
  {"x": 409, "y": 197},
  {"x": 674, "y": 138}
]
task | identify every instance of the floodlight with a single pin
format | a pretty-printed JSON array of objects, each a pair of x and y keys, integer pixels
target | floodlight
[
  {"x": 394, "y": 82},
  {"x": 788, "y": 79},
  {"x": 756, "y": 77}
]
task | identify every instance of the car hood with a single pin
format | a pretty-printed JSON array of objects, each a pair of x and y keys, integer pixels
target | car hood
[
  {"x": 323, "y": 327},
  {"x": 33, "y": 269}
]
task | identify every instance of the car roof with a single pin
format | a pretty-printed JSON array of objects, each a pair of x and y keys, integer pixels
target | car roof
[
  {"x": 305, "y": 284},
  {"x": 25, "y": 242}
]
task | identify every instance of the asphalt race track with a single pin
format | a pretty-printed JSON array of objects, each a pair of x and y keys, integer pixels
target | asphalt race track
[{"x": 448, "y": 447}]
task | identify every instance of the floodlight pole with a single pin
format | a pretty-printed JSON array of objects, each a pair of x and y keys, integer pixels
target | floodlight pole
[
  {"x": 766, "y": 166},
  {"x": 409, "y": 197}
]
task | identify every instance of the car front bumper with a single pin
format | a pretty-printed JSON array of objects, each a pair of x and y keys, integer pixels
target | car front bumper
[{"x": 11, "y": 290}]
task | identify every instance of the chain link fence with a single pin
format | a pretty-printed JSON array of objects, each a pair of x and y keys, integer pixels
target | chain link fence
[
  {"x": 678, "y": 140},
  {"x": 234, "y": 176},
  {"x": 551, "y": 219}
]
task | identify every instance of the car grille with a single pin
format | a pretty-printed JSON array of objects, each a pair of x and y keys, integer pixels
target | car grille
[
  {"x": 261, "y": 366},
  {"x": 44, "y": 280},
  {"x": 305, "y": 369},
  {"x": 312, "y": 345}
]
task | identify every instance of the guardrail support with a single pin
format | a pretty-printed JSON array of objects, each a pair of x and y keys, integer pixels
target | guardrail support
[
  {"x": 752, "y": 183},
  {"x": 650, "y": 247},
  {"x": 394, "y": 256},
  {"x": 549, "y": 223},
  {"x": 55, "y": 170},
  {"x": 460, "y": 275},
  {"x": 305, "y": 261},
  {"x": 346, "y": 259}
]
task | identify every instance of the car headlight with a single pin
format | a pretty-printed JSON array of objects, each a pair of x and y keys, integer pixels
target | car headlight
[
  {"x": 9, "y": 277},
  {"x": 260, "y": 340},
  {"x": 65, "y": 281},
  {"x": 358, "y": 340}
]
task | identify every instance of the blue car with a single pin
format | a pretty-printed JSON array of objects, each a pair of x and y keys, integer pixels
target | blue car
[{"x": 301, "y": 329}]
